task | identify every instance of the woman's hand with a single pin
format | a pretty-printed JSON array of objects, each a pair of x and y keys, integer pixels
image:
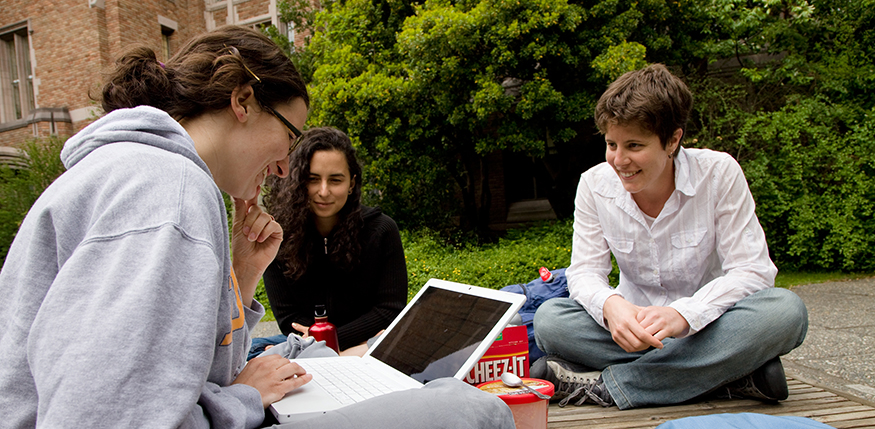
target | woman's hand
[
  {"x": 662, "y": 322},
  {"x": 273, "y": 376},
  {"x": 255, "y": 239},
  {"x": 626, "y": 330},
  {"x": 304, "y": 330}
]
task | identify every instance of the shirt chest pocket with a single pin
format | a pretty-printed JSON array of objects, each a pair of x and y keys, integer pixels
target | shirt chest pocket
[
  {"x": 622, "y": 250},
  {"x": 690, "y": 238},
  {"x": 621, "y": 245},
  {"x": 689, "y": 249}
]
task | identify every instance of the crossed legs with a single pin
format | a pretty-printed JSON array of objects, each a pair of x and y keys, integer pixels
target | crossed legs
[{"x": 769, "y": 323}]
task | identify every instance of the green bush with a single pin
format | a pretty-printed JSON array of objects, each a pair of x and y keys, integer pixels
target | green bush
[
  {"x": 514, "y": 258},
  {"x": 261, "y": 297},
  {"x": 20, "y": 188},
  {"x": 814, "y": 182},
  {"x": 810, "y": 165}
]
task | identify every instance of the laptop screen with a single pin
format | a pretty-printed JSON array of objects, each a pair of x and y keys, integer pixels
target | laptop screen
[{"x": 439, "y": 333}]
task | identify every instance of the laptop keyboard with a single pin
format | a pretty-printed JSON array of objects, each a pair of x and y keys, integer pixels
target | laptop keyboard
[{"x": 345, "y": 380}]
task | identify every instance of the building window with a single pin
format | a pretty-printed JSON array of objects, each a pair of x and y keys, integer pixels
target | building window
[
  {"x": 290, "y": 31},
  {"x": 166, "y": 38},
  {"x": 16, "y": 76},
  {"x": 168, "y": 28},
  {"x": 261, "y": 25}
]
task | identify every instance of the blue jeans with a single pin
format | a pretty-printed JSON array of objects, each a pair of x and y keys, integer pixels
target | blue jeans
[
  {"x": 769, "y": 323},
  {"x": 260, "y": 343}
]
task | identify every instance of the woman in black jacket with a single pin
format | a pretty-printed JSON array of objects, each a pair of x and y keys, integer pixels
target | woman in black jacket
[{"x": 335, "y": 252}]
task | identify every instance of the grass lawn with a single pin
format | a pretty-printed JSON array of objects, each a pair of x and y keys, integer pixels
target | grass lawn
[{"x": 795, "y": 279}]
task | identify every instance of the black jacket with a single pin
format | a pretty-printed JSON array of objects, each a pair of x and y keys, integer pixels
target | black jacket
[{"x": 361, "y": 302}]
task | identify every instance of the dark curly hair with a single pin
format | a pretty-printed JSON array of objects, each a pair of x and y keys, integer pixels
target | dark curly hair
[
  {"x": 201, "y": 76},
  {"x": 288, "y": 201}
]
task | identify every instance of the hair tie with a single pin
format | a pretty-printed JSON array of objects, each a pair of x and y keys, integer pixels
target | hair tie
[{"x": 161, "y": 64}]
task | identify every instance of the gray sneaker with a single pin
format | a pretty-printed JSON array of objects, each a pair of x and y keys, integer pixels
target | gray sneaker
[{"x": 571, "y": 381}]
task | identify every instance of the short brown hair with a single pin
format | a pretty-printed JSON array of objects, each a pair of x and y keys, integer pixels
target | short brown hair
[{"x": 651, "y": 98}]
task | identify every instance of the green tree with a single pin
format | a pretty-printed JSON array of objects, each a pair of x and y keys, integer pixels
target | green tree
[
  {"x": 801, "y": 125},
  {"x": 814, "y": 184},
  {"x": 20, "y": 188},
  {"x": 428, "y": 90}
]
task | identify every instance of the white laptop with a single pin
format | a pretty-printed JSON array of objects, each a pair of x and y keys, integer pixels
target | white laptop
[{"x": 442, "y": 332}]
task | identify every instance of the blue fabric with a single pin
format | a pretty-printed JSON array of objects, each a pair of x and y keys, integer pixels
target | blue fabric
[
  {"x": 769, "y": 323},
  {"x": 537, "y": 292},
  {"x": 743, "y": 421},
  {"x": 259, "y": 344}
]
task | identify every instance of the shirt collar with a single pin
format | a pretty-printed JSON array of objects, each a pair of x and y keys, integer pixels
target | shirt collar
[{"x": 682, "y": 180}]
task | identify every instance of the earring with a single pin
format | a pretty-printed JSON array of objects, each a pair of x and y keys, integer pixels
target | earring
[{"x": 350, "y": 192}]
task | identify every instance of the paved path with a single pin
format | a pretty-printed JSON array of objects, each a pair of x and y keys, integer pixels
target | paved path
[
  {"x": 839, "y": 351},
  {"x": 266, "y": 329}
]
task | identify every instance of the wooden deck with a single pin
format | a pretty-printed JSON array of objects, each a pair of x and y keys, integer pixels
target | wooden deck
[{"x": 805, "y": 401}]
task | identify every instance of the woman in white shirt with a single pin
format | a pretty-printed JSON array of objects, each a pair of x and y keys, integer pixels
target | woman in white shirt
[{"x": 696, "y": 308}]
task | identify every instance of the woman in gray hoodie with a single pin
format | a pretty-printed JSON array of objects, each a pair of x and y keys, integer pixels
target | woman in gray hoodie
[{"x": 123, "y": 306}]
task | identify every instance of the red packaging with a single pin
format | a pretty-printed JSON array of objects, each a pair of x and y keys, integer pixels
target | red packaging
[
  {"x": 546, "y": 275},
  {"x": 529, "y": 411},
  {"x": 509, "y": 352}
]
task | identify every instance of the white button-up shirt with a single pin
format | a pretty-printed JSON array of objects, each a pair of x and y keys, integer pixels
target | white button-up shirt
[{"x": 704, "y": 252}]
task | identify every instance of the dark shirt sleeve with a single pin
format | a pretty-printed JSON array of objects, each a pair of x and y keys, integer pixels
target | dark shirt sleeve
[
  {"x": 287, "y": 308},
  {"x": 383, "y": 270}
]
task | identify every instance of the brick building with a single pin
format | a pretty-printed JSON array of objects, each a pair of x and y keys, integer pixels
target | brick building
[{"x": 53, "y": 52}]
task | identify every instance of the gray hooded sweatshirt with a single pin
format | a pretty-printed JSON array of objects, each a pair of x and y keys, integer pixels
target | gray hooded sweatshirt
[{"x": 120, "y": 306}]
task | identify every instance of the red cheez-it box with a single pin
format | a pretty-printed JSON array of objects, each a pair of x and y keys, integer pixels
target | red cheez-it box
[{"x": 509, "y": 352}]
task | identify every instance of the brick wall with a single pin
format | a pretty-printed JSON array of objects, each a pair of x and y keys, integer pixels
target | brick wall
[
  {"x": 16, "y": 137},
  {"x": 74, "y": 45},
  {"x": 249, "y": 10}
]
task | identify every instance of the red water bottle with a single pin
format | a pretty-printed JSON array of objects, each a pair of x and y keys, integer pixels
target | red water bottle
[{"x": 323, "y": 330}]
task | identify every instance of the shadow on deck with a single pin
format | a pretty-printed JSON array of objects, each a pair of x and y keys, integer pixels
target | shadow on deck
[{"x": 805, "y": 401}]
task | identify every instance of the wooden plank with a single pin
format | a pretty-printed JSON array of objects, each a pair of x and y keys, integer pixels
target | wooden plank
[
  {"x": 830, "y": 410},
  {"x": 805, "y": 401},
  {"x": 865, "y": 423},
  {"x": 813, "y": 395},
  {"x": 595, "y": 412},
  {"x": 869, "y": 414},
  {"x": 658, "y": 416}
]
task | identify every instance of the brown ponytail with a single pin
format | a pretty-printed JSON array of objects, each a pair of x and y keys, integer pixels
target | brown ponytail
[
  {"x": 138, "y": 80},
  {"x": 202, "y": 75}
]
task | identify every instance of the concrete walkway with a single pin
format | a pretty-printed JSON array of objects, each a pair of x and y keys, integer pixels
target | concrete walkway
[
  {"x": 839, "y": 352},
  {"x": 266, "y": 329}
]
